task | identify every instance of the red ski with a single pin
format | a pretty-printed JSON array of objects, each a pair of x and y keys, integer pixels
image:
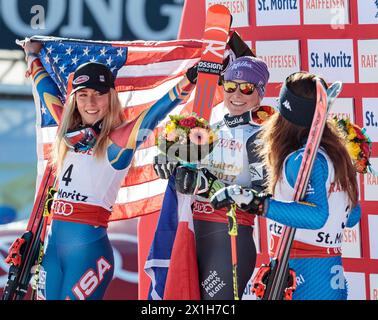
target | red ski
[
  {"x": 277, "y": 281},
  {"x": 218, "y": 20},
  {"x": 26, "y": 251}
]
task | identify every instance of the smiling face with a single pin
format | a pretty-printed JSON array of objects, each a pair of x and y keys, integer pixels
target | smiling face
[
  {"x": 238, "y": 103},
  {"x": 92, "y": 105}
]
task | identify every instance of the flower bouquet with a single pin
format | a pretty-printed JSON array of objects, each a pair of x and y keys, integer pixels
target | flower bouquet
[
  {"x": 187, "y": 138},
  {"x": 357, "y": 143}
]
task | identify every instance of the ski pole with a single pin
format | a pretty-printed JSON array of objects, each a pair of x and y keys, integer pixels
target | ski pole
[
  {"x": 233, "y": 232},
  {"x": 46, "y": 216}
]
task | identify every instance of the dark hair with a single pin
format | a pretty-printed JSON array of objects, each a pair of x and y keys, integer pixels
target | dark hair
[{"x": 282, "y": 137}]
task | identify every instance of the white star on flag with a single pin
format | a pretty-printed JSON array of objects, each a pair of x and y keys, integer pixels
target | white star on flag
[
  {"x": 69, "y": 51},
  {"x": 103, "y": 51},
  {"x": 75, "y": 60},
  {"x": 62, "y": 68},
  {"x": 109, "y": 61},
  {"x": 120, "y": 52},
  {"x": 86, "y": 51},
  {"x": 56, "y": 59}
]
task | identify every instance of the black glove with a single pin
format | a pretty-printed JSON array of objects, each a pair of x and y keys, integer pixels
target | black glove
[
  {"x": 164, "y": 167},
  {"x": 192, "y": 74},
  {"x": 196, "y": 181},
  {"x": 235, "y": 48},
  {"x": 246, "y": 199}
]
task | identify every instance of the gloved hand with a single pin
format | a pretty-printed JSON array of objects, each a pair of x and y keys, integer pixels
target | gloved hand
[
  {"x": 164, "y": 167},
  {"x": 246, "y": 199},
  {"x": 196, "y": 181},
  {"x": 235, "y": 48},
  {"x": 192, "y": 74}
]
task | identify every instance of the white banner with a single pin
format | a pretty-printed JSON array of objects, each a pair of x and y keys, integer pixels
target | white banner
[
  {"x": 342, "y": 108},
  {"x": 332, "y": 59},
  {"x": 367, "y": 11},
  {"x": 370, "y": 117},
  {"x": 238, "y": 8},
  {"x": 281, "y": 57},
  {"x": 335, "y": 13},
  {"x": 373, "y": 235},
  {"x": 351, "y": 245},
  {"x": 277, "y": 12},
  {"x": 373, "y": 286},
  {"x": 356, "y": 285},
  {"x": 368, "y": 60},
  {"x": 371, "y": 193}
]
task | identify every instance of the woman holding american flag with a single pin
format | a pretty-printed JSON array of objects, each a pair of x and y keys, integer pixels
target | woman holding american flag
[{"x": 92, "y": 154}]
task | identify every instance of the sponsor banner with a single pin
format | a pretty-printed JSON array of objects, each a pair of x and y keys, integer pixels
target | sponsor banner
[
  {"x": 370, "y": 118},
  {"x": 89, "y": 19},
  {"x": 351, "y": 245},
  {"x": 367, "y": 12},
  {"x": 373, "y": 235},
  {"x": 356, "y": 285},
  {"x": 332, "y": 59},
  {"x": 368, "y": 61},
  {"x": 281, "y": 57},
  {"x": 373, "y": 286},
  {"x": 335, "y": 12},
  {"x": 238, "y": 8},
  {"x": 342, "y": 108},
  {"x": 371, "y": 186},
  {"x": 277, "y": 12}
]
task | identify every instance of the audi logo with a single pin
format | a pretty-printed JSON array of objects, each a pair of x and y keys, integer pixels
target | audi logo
[
  {"x": 62, "y": 208},
  {"x": 200, "y": 207}
]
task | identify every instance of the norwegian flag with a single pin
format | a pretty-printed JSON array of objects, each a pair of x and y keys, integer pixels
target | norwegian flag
[{"x": 144, "y": 72}]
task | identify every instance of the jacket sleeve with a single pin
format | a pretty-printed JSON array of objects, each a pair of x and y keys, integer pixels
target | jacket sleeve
[
  {"x": 312, "y": 212},
  {"x": 47, "y": 90},
  {"x": 354, "y": 216}
]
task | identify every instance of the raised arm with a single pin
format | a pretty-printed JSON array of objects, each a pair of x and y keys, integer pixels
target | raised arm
[
  {"x": 127, "y": 138},
  {"x": 45, "y": 86},
  {"x": 132, "y": 134}
]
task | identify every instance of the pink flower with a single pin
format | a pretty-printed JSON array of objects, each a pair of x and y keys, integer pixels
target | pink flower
[
  {"x": 171, "y": 136},
  {"x": 199, "y": 136},
  {"x": 188, "y": 122}
]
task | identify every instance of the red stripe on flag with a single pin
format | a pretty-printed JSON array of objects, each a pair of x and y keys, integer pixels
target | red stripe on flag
[
  {"x": 137, "y": 208},
  {"x": 147, "y": 57},
  {"x": 142, "y": 83},
  {"x": 139, "y": 175}
]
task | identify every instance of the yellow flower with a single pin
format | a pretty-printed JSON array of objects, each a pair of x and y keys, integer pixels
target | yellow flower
[
  {"x": 351, "y": 133},
  {"x": 353, "y": 150},
  {"x": 170, "y": 127}
]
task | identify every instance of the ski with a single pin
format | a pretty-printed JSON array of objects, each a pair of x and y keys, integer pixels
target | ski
[
  {"x": 218, "y": 21},
  {"x": 26, "y": 251},
  {"x": 277, "y": 281}
]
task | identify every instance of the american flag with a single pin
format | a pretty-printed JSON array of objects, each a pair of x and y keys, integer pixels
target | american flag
[{"x": 144, "y": 72}]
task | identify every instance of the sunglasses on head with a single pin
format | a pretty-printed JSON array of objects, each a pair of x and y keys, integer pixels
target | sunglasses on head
[{"x": 244, "y": 87}]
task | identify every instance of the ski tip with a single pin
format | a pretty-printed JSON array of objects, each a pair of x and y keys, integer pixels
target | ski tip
[
  {"x": 218, "y": 8},
  {"x": 334, "y": 89}
]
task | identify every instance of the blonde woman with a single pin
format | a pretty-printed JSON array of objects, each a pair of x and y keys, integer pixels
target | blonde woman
[{"x": 92, "y": 153}]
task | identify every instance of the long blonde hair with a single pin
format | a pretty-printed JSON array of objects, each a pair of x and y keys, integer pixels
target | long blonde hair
[
  {"x": 282, "y": 137},
  {"x": 71, "y": 119}
]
